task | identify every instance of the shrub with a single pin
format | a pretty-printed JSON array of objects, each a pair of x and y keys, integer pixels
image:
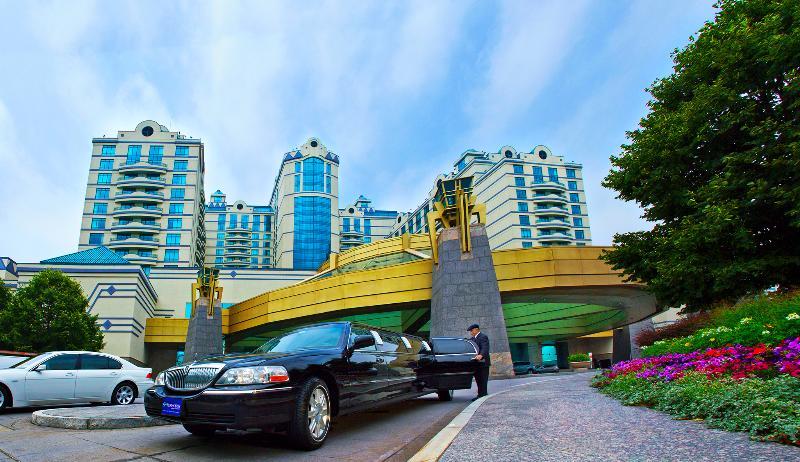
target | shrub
[
  {"x": 577, "y": 357},
  {"x": 682, "y": 327}
]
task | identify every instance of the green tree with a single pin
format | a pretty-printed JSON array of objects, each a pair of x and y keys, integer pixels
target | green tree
[
  {"x": 716, "y": 162},
  {"x": 49, "y": 313},
  {"x": 5, "y": 301}
]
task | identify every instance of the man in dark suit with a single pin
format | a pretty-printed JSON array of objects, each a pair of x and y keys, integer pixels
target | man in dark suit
[{"x": 481, "y": 342}]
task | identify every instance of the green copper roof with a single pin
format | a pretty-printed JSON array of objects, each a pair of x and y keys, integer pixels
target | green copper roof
[{"x": 97, "y": 256}]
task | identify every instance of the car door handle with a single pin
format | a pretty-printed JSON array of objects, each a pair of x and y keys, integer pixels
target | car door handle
[
  {"x": 114, "y": 374},
  {"x": 69, "y": 374},
  {"x": 379, "y": 360}
]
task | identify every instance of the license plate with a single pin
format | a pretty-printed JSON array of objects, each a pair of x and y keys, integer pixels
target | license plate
[{"x": 171, "y": 407}]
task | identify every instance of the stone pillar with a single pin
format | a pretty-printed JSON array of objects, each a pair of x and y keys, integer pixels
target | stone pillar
[
  {"x": 535, "y": 353},
  {"x": 465, "y": 291},
  {"x": 204, "y": 337},
  {"x": 634, "y": 330},
  {"x": 562, "y": 355},
  {"x": 621, "y": 349}
]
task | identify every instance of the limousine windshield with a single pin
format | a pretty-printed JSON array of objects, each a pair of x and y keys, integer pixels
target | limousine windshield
[{"x": 314, "y": 337}]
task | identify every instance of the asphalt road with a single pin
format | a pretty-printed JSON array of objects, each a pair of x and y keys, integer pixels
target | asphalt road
[{"x": 392, "y": 433}]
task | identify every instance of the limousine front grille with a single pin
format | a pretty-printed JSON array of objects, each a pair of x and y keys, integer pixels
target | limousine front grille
[{"x": 191, "y": 378}]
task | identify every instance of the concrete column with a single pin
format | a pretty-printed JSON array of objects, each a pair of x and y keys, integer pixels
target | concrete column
[
  {"x": 204, "y": 337},
  {"x": 465, "y": 291},
  {"x": 562, "y": 355},
  {"x": 535, "y": 352},
  {"x": 621, "y": 349}
]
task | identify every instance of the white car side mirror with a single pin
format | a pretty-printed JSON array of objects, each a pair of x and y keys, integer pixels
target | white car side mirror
[{"x": 41, "y": 367}]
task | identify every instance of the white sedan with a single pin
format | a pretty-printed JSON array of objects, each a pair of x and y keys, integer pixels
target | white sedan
[{"x": 66, "y": 377}]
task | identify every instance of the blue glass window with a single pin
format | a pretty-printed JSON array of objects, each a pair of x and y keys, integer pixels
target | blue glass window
[
  {"x": 220, "y": 243},
  {"x": 297, "y": 183},
  {"x": 101, "y": 193},
  {"x": 175, "y": 223},
  {"x": 267, "y": 222},
  {"x": 106, "y": 164},
  {"x": 346, "y": 225},
  {"x": 574, "y": 197},
  {"x": 527, "y": 244},
  {"x": 524, "y": 220},
  {"x": 245, "y": 220},
  {"x": 182, "y": 151},
  {"x": 522, "y": 206},
  {"x": 254, "y": 252},
  {"x": 179, "y": 179},
  {"x": 171, "y": 255},
  {"x": 175, "y": 209},
  {"x": 182, "y": 166},
  {"x": 108, "y": 151},
  {"x": 327, "y": 168},
  {"x": 571, "y": 173},
  {"x": 298, "y": 167},
  {"x": 234, "y": 219},
  {"x": 173, "y": 239},
  {"x": 98, "y": 223},
  {"x": 522, "y": 194},
  {"x": 104, "y": 178},
  {"x": 552, "y": 172},
  {"x": 572, "y": 185},
  {"x": 578, "y": 222},
  {"x": 177, "y": 193},
  {"x": 219, "y": 251},
  {"x": 576, "y": 210},
  {"x": 328, "y": 184},
  {"x": 538, "y": 176},
  {"x": 312, "y": 230},
  {"x": 100, "y": 208},
  {"x": 256, "y": 224},
  {"x": 218, "y": 260},
  {"x": 579, "y": 234},
  {"x": 357, "y": 225},
  {"x": 96, "y": 238},
  {"x": 254, "y": 261},
  {"x": 134, "y": 154},
  {"x": 313, "y": 178},
  {"x": 156, "y": 154},
  {"x": 526, "y": 233},
  {"x": 221, "y": 223},
  {"x": 519, "y": 182},
  {"x": 518, "y": 169},
  {"x": 367, "y": 227}
]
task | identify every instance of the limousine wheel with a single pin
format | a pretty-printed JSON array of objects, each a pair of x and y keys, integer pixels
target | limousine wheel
[
  {"x": 445, "y": 394},
  {"x": 312, "y": 416}
]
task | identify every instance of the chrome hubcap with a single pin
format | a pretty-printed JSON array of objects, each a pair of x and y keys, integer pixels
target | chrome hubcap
[
  {"x": 125, "y": 395},
  {"x": 318, "y": 413},
  {"x": 2, "y": 398}
]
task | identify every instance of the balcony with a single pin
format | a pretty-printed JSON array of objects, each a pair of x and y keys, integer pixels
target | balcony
[
  {"x": 139, "y": 196},
  {"x": 133, "y": 243},
  {"x": 555, "y": 237},
  {"x": 237, "y": 252},
  {"x": 236, "y": 264},
  {"x": 141, "y": 259},
  {"x": 352, "y": 241},
  {"x": 238, "y": 228},
  {"x": 547, "y": 185},
  {"x": 118, "y": 227},
  {"x": 551, "y": 224},
  {"x": 143, "y": 167},
  {"x": 554, "y": 198},
  {"x": 137, "y": 211},
  {"x": 237, "y": 245},
  {"x": 238, "y": 237},
  {"x": 551, "y": 211},
  {"x": 141, "y": 181}
]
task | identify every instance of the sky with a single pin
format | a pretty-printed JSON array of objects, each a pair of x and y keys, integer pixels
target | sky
[{"x": 397, "y": 89}]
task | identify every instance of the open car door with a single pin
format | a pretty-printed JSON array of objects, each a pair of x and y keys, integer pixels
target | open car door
[{"x": 448, "y": 364}]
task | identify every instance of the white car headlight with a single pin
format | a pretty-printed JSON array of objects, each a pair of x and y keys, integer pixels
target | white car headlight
[
  {"x": 254, "y": 375},
  {"x": 159, "y": 379}
]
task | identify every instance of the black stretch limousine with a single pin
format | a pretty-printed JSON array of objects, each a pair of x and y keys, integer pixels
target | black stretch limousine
[{"x": 297, "y": 382}]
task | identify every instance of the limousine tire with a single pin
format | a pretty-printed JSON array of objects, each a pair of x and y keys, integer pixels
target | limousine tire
[
  {"x": 199, "y": 429},
  {"x": 312, "y": 415},
  {"x": 445, "y": 394}
]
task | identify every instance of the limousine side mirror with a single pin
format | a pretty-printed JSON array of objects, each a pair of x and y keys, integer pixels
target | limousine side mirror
[{"x": 361, "y": 341}]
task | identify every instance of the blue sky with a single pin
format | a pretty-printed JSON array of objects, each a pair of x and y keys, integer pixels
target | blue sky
[{"x": 397, "y": 89}]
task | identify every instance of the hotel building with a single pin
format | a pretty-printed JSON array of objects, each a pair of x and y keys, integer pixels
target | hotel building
[
  {"x": 360, "y": 223},
  {"x": 239, "y": 235}
]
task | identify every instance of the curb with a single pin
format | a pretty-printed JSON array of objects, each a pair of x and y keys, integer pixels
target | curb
[
  {"x": 56, "y": 418},
  {"x": 432, "y": 451}
]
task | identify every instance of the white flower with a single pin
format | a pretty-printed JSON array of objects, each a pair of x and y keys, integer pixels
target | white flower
[
  {"x": 792, "y": 316},
  {"x": 765, "y": 332},
  {"x": 745, "y": 320}
]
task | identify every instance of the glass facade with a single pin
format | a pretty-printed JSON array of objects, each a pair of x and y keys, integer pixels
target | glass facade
[
  {"x": 312, "y": 227},
  {"x": 313, "y": 174}
]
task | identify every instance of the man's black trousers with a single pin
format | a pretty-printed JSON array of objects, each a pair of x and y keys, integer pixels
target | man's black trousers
[{"x": 482, "y": 379}]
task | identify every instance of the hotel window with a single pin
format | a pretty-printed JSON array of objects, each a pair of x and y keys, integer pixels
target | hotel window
[
  {"x": 572, "y": 185},
  {"x": 96, "y": 238},
  {"x": 171, "y": 255},
  {"x": 574, "y": 197},
  {"x": 220, "y": 236},
  {"x": 104, "y": 178},
  {"x": 518, "y": 169},
  {"x": 578, "y": 222},
  {"x": 98, "y": 223},
  {"x": 571, "y": 173},
  {"x": 220, "y": 243},
  {"x": 175, "y": 223},
  {"x": 156, "y": 154},
  {"x": 254, "y": 252},
  {"x": 527, "y": 244},
  {"x": 576, "y": 210},
  {"x": 526, "y": 233},
  {"x": 356, "y": 225},
  {"x": 552, "y": 172},
  {"x": 100, "y": 208},
  {"x": 267, "y": 222},
  {"x": 297, "y": 183},
  {"x": 522, "y": 206},
  {"x": 108, "y": 151},
  {"x": 173, "y": 239},
  {"x": 106, "y": 164},
  {"x": 367, "y": 227},
  {"x": 234, "y": 218},
  {"x": 245, "y": 221},
  {"x": 522, "y": 194},
  {"x": 579, "y": 234},
  {"x": 134, "y": 154},
  {"x": 218, "y": 260},
  {"x": 313, "y": 178},
  {"x": 179, "y": 179},
  {"x": 221, "y": 223},
  {"x": 298, "y": 167},
  {"x": 328, "y": 168},
  {"x": 182, "y": 151},
  {"x": 219, "y": 251},
  {"x": 177, "y": 193},
  {"x": 519, "y": 182},
  {"x": 256, "y": 224},
  {"x": 328, "y": 184},
  {"x": 175, "y": 209},
  {"x": 254, "y": 261},
  {"x": 524, "y": 220},
  {"x": 538, "y": 176},
  {"x": 182, "y": 166},
  {"x": 346, "y": 225},
  {"x": 367, "y": 240}
]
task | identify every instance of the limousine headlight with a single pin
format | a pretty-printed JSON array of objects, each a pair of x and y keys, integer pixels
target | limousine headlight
[
  {"x": 254, "y": 375},
  {"x": 160, "y": 379}
]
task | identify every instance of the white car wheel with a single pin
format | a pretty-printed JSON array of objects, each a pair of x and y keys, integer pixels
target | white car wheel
[{"x": 123, "y": 394}]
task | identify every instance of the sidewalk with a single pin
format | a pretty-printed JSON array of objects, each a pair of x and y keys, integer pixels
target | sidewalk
[{"x": 566, "y": 420}]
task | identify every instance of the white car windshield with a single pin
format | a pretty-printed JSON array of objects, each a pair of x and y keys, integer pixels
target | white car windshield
[{"x": 28, "y": 361}]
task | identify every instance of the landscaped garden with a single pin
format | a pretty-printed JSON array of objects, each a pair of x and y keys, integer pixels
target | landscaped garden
[{"x": 740, "y": 371}]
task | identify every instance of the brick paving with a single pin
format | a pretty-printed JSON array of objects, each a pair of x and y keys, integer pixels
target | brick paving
[{"x": 567, "y": 420}]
